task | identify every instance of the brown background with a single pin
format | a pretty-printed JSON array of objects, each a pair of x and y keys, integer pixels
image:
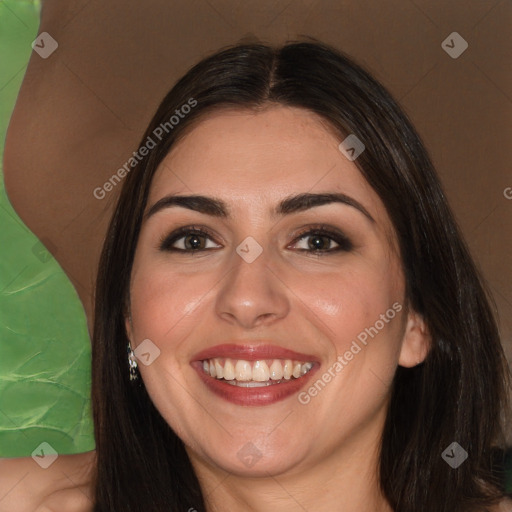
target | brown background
[{"x": 81, "y": 112}]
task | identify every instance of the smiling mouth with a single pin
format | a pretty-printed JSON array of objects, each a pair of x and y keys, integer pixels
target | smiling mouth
[{"x": 255, "y": 374}]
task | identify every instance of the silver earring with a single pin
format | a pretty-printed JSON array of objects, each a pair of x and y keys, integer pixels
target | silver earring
[{"x": 132, "y": 361}]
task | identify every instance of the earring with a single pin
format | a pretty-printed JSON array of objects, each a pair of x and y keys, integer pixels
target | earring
[{"x": 132, "y": 361}]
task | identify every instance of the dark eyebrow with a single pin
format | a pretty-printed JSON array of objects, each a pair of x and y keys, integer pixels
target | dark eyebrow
[{"x": 218, "y": 208}]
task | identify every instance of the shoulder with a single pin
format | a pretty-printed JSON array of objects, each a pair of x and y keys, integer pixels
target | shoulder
[
  {"x": 504, "y": 505},
  {"x": 65, "y": 485},
  {"x": 73, "y": 492},
  {"x": 72, "y": 499}
]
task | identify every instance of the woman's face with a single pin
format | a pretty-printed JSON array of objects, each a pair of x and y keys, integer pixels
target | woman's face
[{"x": 308, "y": 325}]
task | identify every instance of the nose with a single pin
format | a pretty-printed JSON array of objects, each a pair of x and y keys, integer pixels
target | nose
[{"x": 252, "y": 294}]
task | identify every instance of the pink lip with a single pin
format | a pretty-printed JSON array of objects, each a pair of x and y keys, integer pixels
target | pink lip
[
  {"x": 252, "y": 353},
  {"x": 253, "y": 396}
]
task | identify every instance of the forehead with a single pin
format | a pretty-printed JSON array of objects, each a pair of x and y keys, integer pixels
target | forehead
[{"x": 242, "y": 155}]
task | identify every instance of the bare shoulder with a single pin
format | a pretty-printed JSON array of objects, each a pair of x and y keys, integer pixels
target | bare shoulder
[
  {"x": 72, "y": 499},
  {"x": 64, "y": 485},
  {"x": 503, "y": 506}
]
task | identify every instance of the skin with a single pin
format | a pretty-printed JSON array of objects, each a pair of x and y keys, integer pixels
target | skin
[
  {"x": 64, "y": 485},
  {"x": 316, "y": 455}
]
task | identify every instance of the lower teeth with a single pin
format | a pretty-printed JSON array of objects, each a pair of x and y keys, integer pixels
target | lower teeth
[{"x": 252, "y": 384}]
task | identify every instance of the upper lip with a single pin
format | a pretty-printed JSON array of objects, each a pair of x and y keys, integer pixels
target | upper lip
[{"x": 252, "y": 352}]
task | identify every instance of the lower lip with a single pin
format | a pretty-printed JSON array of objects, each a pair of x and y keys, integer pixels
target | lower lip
[{"x": 264, "y": 395}]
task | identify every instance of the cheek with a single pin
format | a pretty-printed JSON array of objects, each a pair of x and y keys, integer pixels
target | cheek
[
  {"x": 360, "y": 312},
  {"x": 354, "y": 301},
  {"x": 161, "y": 299}
]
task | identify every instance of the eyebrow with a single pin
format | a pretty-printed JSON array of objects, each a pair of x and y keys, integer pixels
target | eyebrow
[{"x": 218, "y": 208}]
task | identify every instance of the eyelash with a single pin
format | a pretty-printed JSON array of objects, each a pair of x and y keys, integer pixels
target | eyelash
[{"x": 344, "y": 244}]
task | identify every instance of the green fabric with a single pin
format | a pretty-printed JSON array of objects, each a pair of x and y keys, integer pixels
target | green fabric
[{"x": 44, "y": 344}]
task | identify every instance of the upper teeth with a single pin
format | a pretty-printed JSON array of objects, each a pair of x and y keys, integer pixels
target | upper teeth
[{"x": 258, "y": 371}]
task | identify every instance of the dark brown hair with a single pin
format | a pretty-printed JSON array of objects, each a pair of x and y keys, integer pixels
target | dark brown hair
[{"x": 455, "y": 395}]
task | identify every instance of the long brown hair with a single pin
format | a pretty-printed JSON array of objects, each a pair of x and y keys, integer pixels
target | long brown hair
[{"x": 455, "y": 395}]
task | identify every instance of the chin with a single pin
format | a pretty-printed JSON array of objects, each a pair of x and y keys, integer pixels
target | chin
[{"x": 249, "y": 461}]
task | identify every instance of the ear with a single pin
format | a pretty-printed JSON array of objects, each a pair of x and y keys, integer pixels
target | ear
[
  {"x": 128, "y": 327},
  {"x": 416, "y": 341}
]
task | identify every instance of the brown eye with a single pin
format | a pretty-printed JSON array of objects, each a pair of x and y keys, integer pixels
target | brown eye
[
  {"x": 190, "y": 240},
  {"x": 319, "y": 241},
  {"x": 193, "y": 239}
]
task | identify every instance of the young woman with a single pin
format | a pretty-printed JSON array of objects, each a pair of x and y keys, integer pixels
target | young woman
[{"x": 287, "y": 317}]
